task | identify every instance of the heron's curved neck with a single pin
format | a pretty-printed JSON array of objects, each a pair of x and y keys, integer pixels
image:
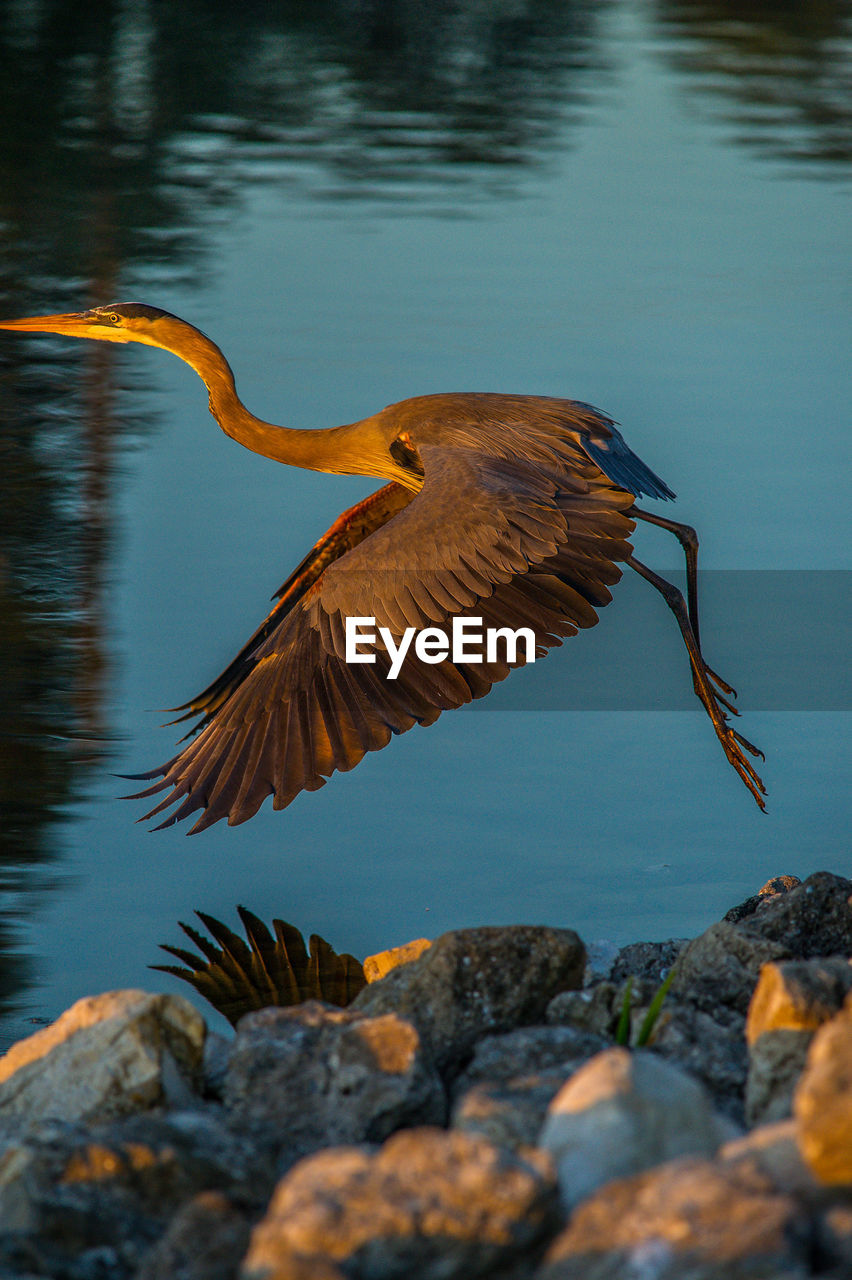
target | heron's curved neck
[{"x": 330, "y": 449}]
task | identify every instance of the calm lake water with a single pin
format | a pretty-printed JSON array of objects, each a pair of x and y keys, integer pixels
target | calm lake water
[{"x": 645, "y": 206}]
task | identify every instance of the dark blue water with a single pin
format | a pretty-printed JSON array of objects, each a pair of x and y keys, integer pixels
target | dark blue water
[{"x": 642, "y": 206}]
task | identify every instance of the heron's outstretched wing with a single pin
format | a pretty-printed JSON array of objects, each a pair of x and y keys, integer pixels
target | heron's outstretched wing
[
  {"x": 516, "y": 544},
  {"x": 347, "y": 531}
]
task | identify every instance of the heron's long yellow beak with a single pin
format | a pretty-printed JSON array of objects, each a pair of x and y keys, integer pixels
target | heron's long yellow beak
[{"x": 79, "y": 324}]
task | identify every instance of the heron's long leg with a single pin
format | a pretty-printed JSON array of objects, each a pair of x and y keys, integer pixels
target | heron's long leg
[
  {"x": 688, "y": 539},
  {"x": 732, "y": 742}
]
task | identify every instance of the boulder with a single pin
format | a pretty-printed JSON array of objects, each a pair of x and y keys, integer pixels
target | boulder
[
  {"x": 109, "y": 1191},
  {"x": 686, "y": 1220},
  {"x": 822, "y": 1103},
  {"x": 107, "y": 1055},
  {"x": 476, "y": 982},
  {"x": 792, "y": 998},
  {"x": 430, "y": 1204},
  {"x": 624, "y": 1112},
  {"x": 312, "y": 1075}
]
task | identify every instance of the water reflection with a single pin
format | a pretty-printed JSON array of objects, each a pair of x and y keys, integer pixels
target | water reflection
[{"x": 777, "y": 72}]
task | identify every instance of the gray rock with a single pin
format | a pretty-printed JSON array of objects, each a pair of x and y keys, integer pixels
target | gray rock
[
  {"x": 720, "y": 968},
  {"x": 511, "y": 1080},
  {"x": 651, "y": 961},
  {"x": 476, "y": 982},
  {"x": 822, "y": 1103},
  {"x": 526, "y": 1053},
  {"x": 430, "y": 1204},
  {"x": 812, "y": 919},
  {"x": 206, "y": 1240},
  {"x": 593, "y": 1009},
  {"x": 108, "y": 1055},
  {"x": 217, "y": 1051},
  {"x": 624, "y": 1112},
  {"x": 712, "y": 1049},
  {"x": 686, "y": 1220},
  {"x": 109, "y": 1191},
  {"x": 310, "y": 1076},
  {"x": 778, "y": 884}
]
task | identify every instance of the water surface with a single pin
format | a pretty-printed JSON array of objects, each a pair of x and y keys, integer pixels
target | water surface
[{"x": 644, "y": 206}]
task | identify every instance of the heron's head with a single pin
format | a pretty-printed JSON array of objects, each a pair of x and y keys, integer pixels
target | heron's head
[{"x": 117, "y": 322}]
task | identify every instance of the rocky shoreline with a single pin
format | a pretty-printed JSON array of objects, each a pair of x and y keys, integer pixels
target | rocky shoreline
[{"x": 468, "y": 1115}]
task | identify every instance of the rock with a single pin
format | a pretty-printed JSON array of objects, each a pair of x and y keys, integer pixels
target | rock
[
  {"x": 509, "y": 1115},
  {"x": 790, "y": 1001},
  {"x": 511, "y": 1080},
  {"x": 107, "y": 1055},
  {"x": 112, "y": 1189},
  {"x": 624, "y": 1112},
  {"x": 822, "y": 1102},
  {"x": 686, "y": 1220},
  {"x": 773, "y": 1151},
  {"x": 310, "y": 1076},
  {"x": 380, "y": 965},
  {"x": 430, "y": 1204},
  {"x": 798, "y": 995},
  {"x": 812, "y": 919},
  {"x": 651, "y": 961},
  {"x": 720, "y": 968},
  {"x": 526, "y": 1053},
  {"x": 206, "y": 1240},
  {"x": 476, "y": 982},
  {"x": 217, "y": 1051},
  {"x": 778, "y": 884},
  {"x": 593, "y": 1009}
]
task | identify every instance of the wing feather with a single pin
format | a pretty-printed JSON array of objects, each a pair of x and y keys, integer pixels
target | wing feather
[{"x": 518, "y": 543}]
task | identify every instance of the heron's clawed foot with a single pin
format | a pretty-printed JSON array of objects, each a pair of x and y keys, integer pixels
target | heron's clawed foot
[{"x": 733, "y": 744}]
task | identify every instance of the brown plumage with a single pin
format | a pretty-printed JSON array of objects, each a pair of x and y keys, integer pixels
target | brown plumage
[{"x": 514, "y": 509}]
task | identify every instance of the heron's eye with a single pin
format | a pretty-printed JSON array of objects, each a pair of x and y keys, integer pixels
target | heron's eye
[{"x": 114, "y": 317}]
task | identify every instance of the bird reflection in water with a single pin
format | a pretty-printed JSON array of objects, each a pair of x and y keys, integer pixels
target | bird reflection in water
[{"x": 514, "y": 509}]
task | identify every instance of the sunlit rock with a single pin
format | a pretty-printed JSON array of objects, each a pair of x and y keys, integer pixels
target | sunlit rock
[
  {"x": 107, "y": 1055},
  {"x": 430, "y": 1204},
  {"x": 380, "y": 965},
  {"x": 686, "y": 1220},
  {"x": 823, "y": 1101}
]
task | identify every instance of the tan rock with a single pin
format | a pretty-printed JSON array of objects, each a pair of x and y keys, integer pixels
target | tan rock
[
  {"x": 106, "y": 1056},
  {"x": 428, "y": 1204},
  {"x": 773, "y": 1151},
  {"x": 822, "y": 1102},
  {"x": 379, "y": 965},
  {"x": 797, "y": 995},
  {"x": 688, "y": 1218}
]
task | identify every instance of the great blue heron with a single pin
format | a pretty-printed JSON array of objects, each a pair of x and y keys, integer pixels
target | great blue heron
[{"x": 516, "y": 509}]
